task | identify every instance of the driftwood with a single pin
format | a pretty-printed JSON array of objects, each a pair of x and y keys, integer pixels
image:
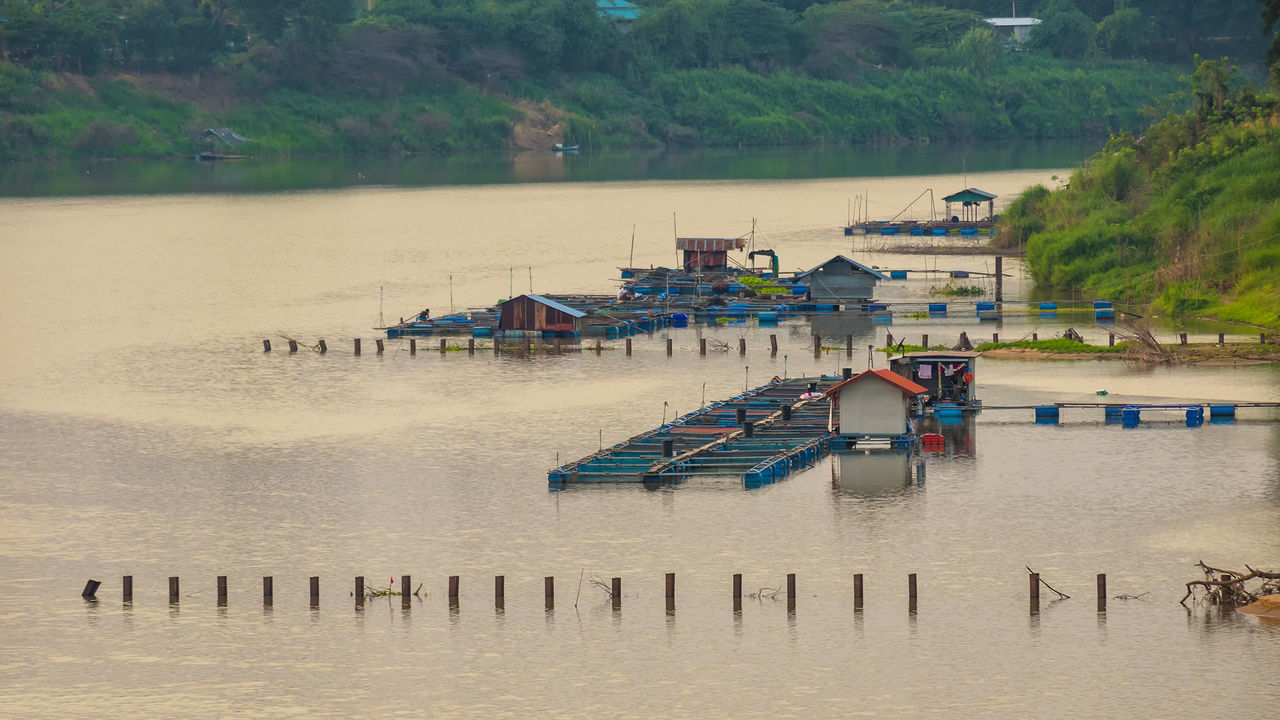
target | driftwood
[
  {"x": 1071, "y": 334},
  {"x": 1061, "y": 595},
  {"x": 1231, "y": 587},
  {"x": 1141, "y": 345},
  {"x": 963, "y": 343}
]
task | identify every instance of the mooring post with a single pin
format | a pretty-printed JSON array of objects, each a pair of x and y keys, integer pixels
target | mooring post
[
  {"x": 357, "y": 345},
  {"x": 499, "y": 591},
  {"x": 888, "y": 339},
  {"x": 173, "y": 589},
  {"x": 846, "y": 373},
  {"x": 444, "y": 346},
  {"x": 359, "y": 591},
  {"x": 323, "y": 348},
  {"x": 315, "y": 591},
  {"x": 1222, "y": 338},
  {"x": 266, "y": 346},
  {"x": 671, "y": 593},
  {"x": 748, "y": 429},
  {"x": 549, "y": 591},
  {"x": 924, "y": 340},
  {"x": 999, "y": 279},
  {"x": 741, "y": 416},
  {"x": 1035, "y": 336},
  {"x": 471, "y": 346},
  {"x": 628, "y": 347},
  {"x": 406, "y": 591},
  {"x": 791, "y": 592},
  {"x": 1102, "y": 592},
  {"x": 702, "y": 346},
  {"x": 268, "y": 590},
  {"x": 737, "y": 591},
  {"x": 1035, "y": 592},
  {"x": 668, "y": 448},
  {"x": 742, "y": 346},
  {"x": 786, "y": 412},
  {"x": 848, "y": 346},
  {"x": 1182, "y": 338},
  {"x": 599, "y": 347},
  {"x": 293, "y": 346},
  {"x": 668, "y": 347},
  {"x": 413, "y": 346},
  {"x": 222, "y": 589},
  {"x": 453, "y": 591},
  {"x": 817, "y": 344},
  {"x": 1262, "y": 338},
  {"x": 995, "y": 337},
  {"x": 378, "y": 342},
  {"x": 857, "y": 592},
  {"x": 615, "y": 592},
  {"x": 1111, "y": 339},
  {"x": 90, "y": 590},
  {"x": 773, "y": 344},
  {"x": 497, "y": 346},
  {"x": 127, "y": 583},
  {"x": 911, "y": 593}
]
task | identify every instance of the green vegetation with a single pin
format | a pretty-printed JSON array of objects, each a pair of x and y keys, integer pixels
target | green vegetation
[
  {"x": 762, "y": 286},
  {"x": 110, "y": 78},
  {"x": 1186, "y": 216},
  {"x": 1057, "y": 346},
  {"x": 951, "y": 289}
]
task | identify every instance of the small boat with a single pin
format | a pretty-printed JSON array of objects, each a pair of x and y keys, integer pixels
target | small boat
[
  {"x": 564, "y": 148},
  {"x": 208, "y": 156}
]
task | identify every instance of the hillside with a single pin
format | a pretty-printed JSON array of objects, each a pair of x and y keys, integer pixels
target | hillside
[{"x": 1186, "y": 216}]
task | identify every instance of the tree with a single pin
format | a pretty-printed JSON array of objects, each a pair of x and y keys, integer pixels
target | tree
[
  {"x": 1271, "y": 26},
  {"x": 1064, "y": 31},
  {"x": 1122, "y": 33},
  {"x": 979, "y": 51}
]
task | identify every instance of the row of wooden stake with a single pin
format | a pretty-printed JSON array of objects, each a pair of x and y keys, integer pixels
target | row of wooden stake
[{"x": 499, "y": 591}]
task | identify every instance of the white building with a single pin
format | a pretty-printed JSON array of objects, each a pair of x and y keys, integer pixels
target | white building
[
  {"x": 874, "y": 404},
  {"x": 1014, "y": 27}
]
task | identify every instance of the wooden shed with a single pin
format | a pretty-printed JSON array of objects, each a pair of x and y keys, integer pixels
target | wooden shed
[
  {"x": 534, "y": 312},
  {"x": 946, "y": 375},
  {"x": 874, "y": 404},
  {"x": 840, "y": 281},
  {"x": 708, "y": 253}
]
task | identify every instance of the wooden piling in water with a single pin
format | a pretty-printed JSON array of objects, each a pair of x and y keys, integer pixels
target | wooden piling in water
[
  {"x": 702, "y": 346},
  {"x": 499, "y": 591},
  {"x": 413, "y": 346},
  {"x": 742, "y": 346},
  {"x": 737, "y": 592},
  {"x": 1035, "y": 336},
  {"x": 1035, "y": 592},
  {"x": 995, "y": 337},
  {"x": 471, "y": 346},
  {"x": 791, "y": 592},
  {"x": 406, "y": 590},
  {"x": 127, "y": 585},
  {"x": 848, "y": 346},
  {"x": 315, "y": 591},
  {"x": 615, "y": 593},
  {"x": 359, "y": 590},
  {"x": 999, "y": 279},
  {"x": 90, "y": 590},
  {"x": 924, "y": 340},
  {"x": 357, "y": 344},
  {"x": 817, "y": 343},
  {"x": 911, "y": 593},
  {"x": 549, "y": 591},
  {"x": 497, "y": 347},
  {"x": 1102, "y": 592},
  {"x": 293, "y": 346},
  {"x": 599, "y": 346},
  {"x": 268, "y": 589},
  {"x": 444, "y": 346},
  {"x": 222, "y": 589},
  {"x": 1111, "y": 339},
  {"x": 1182, "y": 338},
  {"x": 323, "y": 348},
  {"x": 668, "y": 347},
  {"x": 857, "y": 592},
  {"x": 773, "y": 344},
  {"x": 453, "y": 591},
  {"x": 173, "y": 589},
  {"x": 628, "y": 347},
  {"x": 266, "y": 346},
  {"x": 671, "y": 593},
  {"x": 1222, "y": 338},
  {"x": 378, "y": 342},
  {"x": 888, "y": 339}
]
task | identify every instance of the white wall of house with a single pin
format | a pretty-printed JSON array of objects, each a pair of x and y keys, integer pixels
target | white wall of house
[{"x": 872, "y": 407}]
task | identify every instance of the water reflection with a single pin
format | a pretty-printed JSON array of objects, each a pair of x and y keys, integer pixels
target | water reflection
[{"x": 874, "y": 473}]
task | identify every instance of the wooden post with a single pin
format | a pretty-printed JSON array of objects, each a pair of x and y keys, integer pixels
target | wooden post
[
  {"x": 406, "y": 590},
  {"x": 741, "y": 416},
  {"x": 222, "y": 589},
  {"x": 323, "y": 348},
  {"x": 90, "y": 590},
  {"x": 742, "y": 346},
  {"x": 293, "y": 346},
  {"x": 702, "y": 346},
  {"x": 911, "y": 593},
  {"x": 668, "y": 347},
  {"x": 848, "y": 346},
  {"x": 628, "y": 347},
  {"x": 378, "y": 342},
  {"x": 266, "y": 346},
  {"x": 773, "y": 344},
  {"x": 598, "y": 346},
  {"x": 817, "y": 343},
  {"x": 173, "y": 589},
  {"x": 444, "y": 346},
  {"x": 786, "y": 412},
  {"x": 315, "y": 591},
  {"x": 471, "y": 346},
  {"x": 995, "y": 337},
  {"x": 1035, "y": 592},
  {"x": 671, "y": 593},
  {"x": 357, "y": 343},
  {"x": 999, "y": 279},
  {"x": 924, "y": 340},
  {"x": 549, "y": 591},
  {"x": 1222, "y": 338},
  {"x": 1035, "y": 337},
  {"x": 413, "y": 346},
  {"x": 1102, "y": 592},
  {"x": 857, "y": 592},
  {"x": 1182, "y": 338},
  {"x": 748, "y": 429},
  {"x": 791, "y": 592},
  {"x": 268, "y": 591},
  {"x": 497, "y": 346},
  {"x": 737, "y": 591},
  {"x": 615, "y": 592},
  {"x": 453, "y": 591},
  {"x": 499, "y": 591},
  {"x": 359, "y": 590},
  {"x": 668, "y": 448},
  {"x": 128, "y": 588},
  {"x": 888, "y": 339},
  {"x": 1262, "y": 338},
  {"x": 1111, "y": 339}
]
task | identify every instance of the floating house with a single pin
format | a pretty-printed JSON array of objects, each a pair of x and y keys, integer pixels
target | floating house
[
  {"x": 969, "y": 204},
  {"x": 841, "y": 281},
  {"x": 875, "y": 404},
  {"x": 535, "y": 313},
  {"x": 946, "y": 375},
  {"x": 708, "y": 253}
]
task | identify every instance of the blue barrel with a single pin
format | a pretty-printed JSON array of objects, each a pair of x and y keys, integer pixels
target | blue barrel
[
  {"x": 986, "y": 306},
  {"x": 944, "y": 410},
  {"x": 799, "y": 289},
  {"x": 937, "y": 308},
  {"x": 888, "y": 231},
  {"x": 1112, "y": 413},
  {"x": 1047, "y": 414},
  {"x": 1048, "y": 306},
  {"x": 1195, "y": 416},
  {"x": 882, "y": 318},
  {"x": 898, "y": 274},
  {"x": 768, "y": 318},
  {"x": 939, "y": 231},
  {"x": 848, "y": 231},
  {"x": 1217, "y": 412},
  {"x": 1130, "y": 416},
  {"x": 959, "y": 273},
  {"x": 626, "y": 274},
  {"x": 679, "y": 319},
  {"x": 877, "y": 307},
  {"x": 917, "y": 231},
  {"x": 1101, "y": 304},
  {"x": 969, "y": 231}
]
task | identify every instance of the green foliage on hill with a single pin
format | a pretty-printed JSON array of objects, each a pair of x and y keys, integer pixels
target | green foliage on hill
[{"x": 1187, "y": 216}]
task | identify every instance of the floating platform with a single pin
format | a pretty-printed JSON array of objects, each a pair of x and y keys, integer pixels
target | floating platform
[{"x": 760, "y": 436}]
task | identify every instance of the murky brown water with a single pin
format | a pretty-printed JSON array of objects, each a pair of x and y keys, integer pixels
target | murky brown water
[{"x": 145, "y": 433}]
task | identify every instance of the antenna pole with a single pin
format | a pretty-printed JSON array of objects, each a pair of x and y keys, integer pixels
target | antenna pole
[
  {"x": 631, "y": 261},
  {"x": 450, "y": 292}
]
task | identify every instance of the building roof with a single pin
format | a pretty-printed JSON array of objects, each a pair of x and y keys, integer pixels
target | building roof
[
  {"x": 618, "y": 9},
  {"x": 553, "y": 304},
  {"x": 1014, "y": 22},
  {"x": 970, "y": 195},
  {"x": 841, "y": 258},
  {"x": 906, "y": 386},
  {"x": 226, "y": 135},
  {"x": 940, "y": 355},
  {"x": 710, "y": 244}
]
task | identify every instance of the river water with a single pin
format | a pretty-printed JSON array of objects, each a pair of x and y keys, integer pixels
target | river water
[{"x": 145, "y": 433}]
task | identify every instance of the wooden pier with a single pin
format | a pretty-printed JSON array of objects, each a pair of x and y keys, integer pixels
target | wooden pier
[{"x": 760, "y": 436}]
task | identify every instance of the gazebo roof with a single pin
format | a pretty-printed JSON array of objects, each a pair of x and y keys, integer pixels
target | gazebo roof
[
  {"x": 970, "y": 195},
  {"x": 852, "y": 263}
]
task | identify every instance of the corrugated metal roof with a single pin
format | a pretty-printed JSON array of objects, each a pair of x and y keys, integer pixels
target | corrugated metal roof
[
  {"x": 841, "y": 258},
  {"x": 553, "y": 304},
  {"x": 893, "y": 378},
  {"x": 1013, "y": 22},
  {"x": 941, "y": 355},
  {"x": 618, "y": 9},
  {"x": 970, "y": 195},
  {"x": 710, "y": 244}
]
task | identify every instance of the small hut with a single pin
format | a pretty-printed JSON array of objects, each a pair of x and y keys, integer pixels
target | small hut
[
  {"x": 708, "y": 253},
  {"x": 530, "y": 313},
  {"x": 970, "y": 202},
  {"x": 946, "y": 375},
  {"x": 841, "y": 280},
  {"x": 875, "y": 404}
]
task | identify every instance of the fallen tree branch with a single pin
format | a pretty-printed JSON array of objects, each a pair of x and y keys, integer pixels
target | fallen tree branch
[{"x": 1061, "y": 595}]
